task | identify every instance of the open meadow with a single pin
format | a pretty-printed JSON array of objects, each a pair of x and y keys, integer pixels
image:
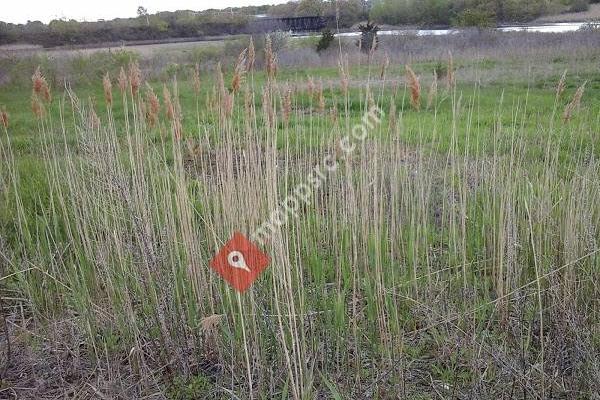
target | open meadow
[{"x": 431, "y": 212}]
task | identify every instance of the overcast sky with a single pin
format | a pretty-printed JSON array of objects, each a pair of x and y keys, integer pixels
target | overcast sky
[{"x": 21, "y": 11}]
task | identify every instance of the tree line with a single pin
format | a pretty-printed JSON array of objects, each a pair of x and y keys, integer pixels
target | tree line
[{"x": 247, "y": 20}]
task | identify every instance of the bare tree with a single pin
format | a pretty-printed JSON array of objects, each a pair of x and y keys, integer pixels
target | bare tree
[{"x": 143, "y": 12}]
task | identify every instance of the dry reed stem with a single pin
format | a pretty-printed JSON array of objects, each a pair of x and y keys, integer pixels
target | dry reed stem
[
  {"x": 333, "y": 113},
  {"x": 226, "y": 104},
  {"x": 393, "y": 122},
  {"x": 287, "y": 104},
  {"x": 37, "y": 107},
  {"x": 450, "y": 75},
  {"x": 384, "y": 66},
  {"x": 344, "y": 75},
  {"x": 415, "y": 88},
  {"x": 311, "y": 86},
  {"x": 433, "y": 91},
  {"x": 251, "y": 56},
  {"x": 321, "y": 98},
  {"x": 107, "y": 86},
  {"x": 196, "y": 79}
]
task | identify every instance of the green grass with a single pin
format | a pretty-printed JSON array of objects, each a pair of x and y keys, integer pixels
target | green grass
[{"x": 430, "y": 264}]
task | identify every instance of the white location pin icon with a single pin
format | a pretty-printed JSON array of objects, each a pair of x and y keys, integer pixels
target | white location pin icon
[{"x": 236, "y": 260}]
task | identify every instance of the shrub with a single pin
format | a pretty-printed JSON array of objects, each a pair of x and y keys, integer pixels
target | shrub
[
  {"x": 326, "y": 39},
  {"x": 475, "y": 18},
  {"x": 580, "y": 6}
]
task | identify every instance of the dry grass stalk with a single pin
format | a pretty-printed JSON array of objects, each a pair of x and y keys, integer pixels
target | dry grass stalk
[
  {"x": 384, "y": 67},
  {"x": 450, "y": 76},
  {"x": 226, "y": 99},
  {"x": 107, "y": 85},
  {"x": 135, "y": 77},
  {"x": 415, "y": 88},
  {"x": 562, "y": 84},
  {"x": 249, "y": 105},
  {"x": 393, "y": 122},
  {"x": 268, "y": 106},
  {"x": 196, "y": 79},
  {"x": 251, "y": 56},
  {"x": 333, "y": 113},
  {"x": 321, "y": 97},
  {"x": 4, "y": 118},
  {"x": 575, "y": 104},
  {"x": 344, "y": 75},
  {"x": 40, "y": 86},
  {"x": 433, "y": 91},
  {"x": 311, "y": 86},
  {"x": 287, "y": 104},
  {"x": 240, "y": 72},
  {"x": 123, "y": 83}
]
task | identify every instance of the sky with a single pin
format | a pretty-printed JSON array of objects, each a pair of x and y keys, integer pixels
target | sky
[{"x": 21, "y": 11}]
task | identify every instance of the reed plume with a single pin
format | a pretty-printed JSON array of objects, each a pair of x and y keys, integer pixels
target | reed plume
[
  {"x": 433, "y": 91},
  {"x": 107, "y": 85},
  {"x": 153, "y": 106},
  {"x": 239, "y": 72},
  {"x": 4, "y": 118},
  {"x": 169, "y": 108},
  {"x": 415, "y": 88},
  {"x": 251, "y": 56},
  {"x": 575, "y": 104},
  {"x": 135, "y": 77},
  {"x": 196, "y": 79},
  {"x": 562, "y": 85},
  {"x": 270, "y": 59},
  {"x": 40, "y": 86},
  {"x": 123, "y": 82}
]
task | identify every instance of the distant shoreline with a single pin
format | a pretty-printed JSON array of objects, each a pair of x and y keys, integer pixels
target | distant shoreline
[{"x": 21, "y": 48}]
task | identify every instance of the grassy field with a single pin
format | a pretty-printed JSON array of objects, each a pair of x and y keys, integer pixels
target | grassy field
[{"x": 453, "y": 253}]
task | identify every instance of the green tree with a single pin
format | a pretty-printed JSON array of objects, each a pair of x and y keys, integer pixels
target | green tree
[{"x": 476, "y": 18}]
